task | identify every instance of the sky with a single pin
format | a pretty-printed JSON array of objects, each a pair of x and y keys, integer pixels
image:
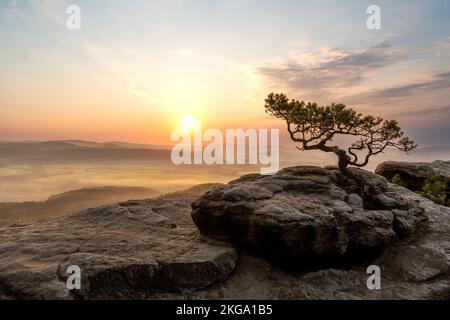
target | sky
[{"x": 136, "y": 68}]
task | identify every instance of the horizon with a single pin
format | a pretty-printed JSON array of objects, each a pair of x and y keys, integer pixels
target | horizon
[{"x": 167, "y": 145}]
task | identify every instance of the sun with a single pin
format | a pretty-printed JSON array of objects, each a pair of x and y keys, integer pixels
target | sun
[{"x": 188, "y": 124}]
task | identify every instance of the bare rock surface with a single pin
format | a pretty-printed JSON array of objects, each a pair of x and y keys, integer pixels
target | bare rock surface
[
  {"x": 307, "y": 212},
  {"x": 123, "y": 250}
]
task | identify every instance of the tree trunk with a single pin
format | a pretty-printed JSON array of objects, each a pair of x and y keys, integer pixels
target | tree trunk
[{"x": 344, "y": 160}]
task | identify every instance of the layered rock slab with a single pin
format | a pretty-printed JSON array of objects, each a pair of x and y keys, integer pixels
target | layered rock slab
[
  {"x": 307, "y": 211},
  {"x": 123, "y": 250}
]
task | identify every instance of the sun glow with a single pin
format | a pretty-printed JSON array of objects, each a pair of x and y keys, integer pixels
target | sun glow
[{"x": 188, "y": 124}]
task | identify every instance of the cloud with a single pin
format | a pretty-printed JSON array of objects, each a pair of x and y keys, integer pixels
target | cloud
[
  {"x": 442, "y": 47},
  {"x": 13, "y": 9},
  {"x": 444, "y": 43},
  {"x": 438, "y": 81},
  {"x": 55, "y": 10},
  {"x": 335, "y": 69},
  {"x": 426, "y": 112}
]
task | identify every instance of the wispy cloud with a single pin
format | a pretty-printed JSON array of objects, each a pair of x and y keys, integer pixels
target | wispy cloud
[
  {"x": 442, "y": 47},
  {"x": 438, "y": 81},
  {"x": 55, "y": 10},
  {"x": 425, "y": 112},
  {"x": 444, "y": 43},
  {"x": 13, "y": 10},
  {"x": 338, "y": 69}
]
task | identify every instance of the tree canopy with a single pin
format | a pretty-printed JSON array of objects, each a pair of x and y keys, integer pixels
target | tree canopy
[{"x": 314, "y": 127}]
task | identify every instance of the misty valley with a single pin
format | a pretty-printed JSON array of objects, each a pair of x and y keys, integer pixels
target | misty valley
[{"x": 43, "y": 179}]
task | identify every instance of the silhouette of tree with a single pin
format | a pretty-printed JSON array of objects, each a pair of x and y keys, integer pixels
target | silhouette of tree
[{"x": 315, "y": 126}]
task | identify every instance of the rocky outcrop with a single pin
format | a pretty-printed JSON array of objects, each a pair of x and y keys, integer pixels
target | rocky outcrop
[
  {"x": 151, "y": 249},
  {"x": 411, "y": 268},
  {"x": 124, "y": 251},
  {"x": 307, "y": 211},
  {"x": 414, "y": 174}
]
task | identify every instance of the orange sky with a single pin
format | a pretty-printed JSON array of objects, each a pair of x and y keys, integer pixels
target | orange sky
[{"x": 133, "y": 72}]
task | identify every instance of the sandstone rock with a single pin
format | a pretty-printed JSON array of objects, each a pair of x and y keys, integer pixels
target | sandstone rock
[
  {"x": 124, "y": 250},
  {"x": 306, "y": 211},
  {"x": 412, "y": 268},
  {"x": 355, "y": 201},
  {"x": 414, "y": 174}
]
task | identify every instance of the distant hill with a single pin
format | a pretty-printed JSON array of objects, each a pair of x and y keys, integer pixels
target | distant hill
[
  {"x": 114, "y": 144},
  {"x": 79, "y": 151},
  {"x": 68, "y": 202},
  {"x": 74, "y": 151}
]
